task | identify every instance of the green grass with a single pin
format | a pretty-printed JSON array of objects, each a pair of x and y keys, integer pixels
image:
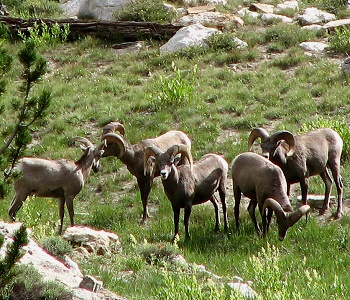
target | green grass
[{"x": 226, "y": 92}]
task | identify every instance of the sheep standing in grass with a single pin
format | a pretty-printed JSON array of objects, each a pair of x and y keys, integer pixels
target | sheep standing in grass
[
  {"x": 62, "y": 178},
  {"x": 191, "y": 183},
  {"x": 263, "y": 182},
  {"x": 132, "y": 155},
  {"x": 305, "y": 155}
]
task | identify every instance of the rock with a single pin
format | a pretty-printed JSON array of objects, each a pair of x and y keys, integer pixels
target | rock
[
  {"x": 244, "y": 289},
  {"x": 338, "y": 23},
  {"x": 316, "y": 47},
  {"x": 51, "y": 269},
  {"x": 345, "y": 66},
  {"x": 313, "y": 15},
  {"x": 193, "y": 35},
  {"x": 246, "y": 12},
  {"x": 200, "y": 9},
  {"x": 99, "y": 241},
  {"x": 211, "y": 19},
  {"x": 314, "y": 27},
  {"x": 286, "y": 5},
  {"x": 97, "y": 9},
  {"x": 269, "y": 17},
  {"x": 90, "y": 283},
  {"x": 215, "y": 2},
  {"x": 261, "y": 7}
]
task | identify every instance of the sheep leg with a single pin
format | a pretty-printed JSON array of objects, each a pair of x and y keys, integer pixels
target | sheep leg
[
  {"x": 61, "y": 213},
  {"x": 69, "y": 203},
  {"x": 217, "y": 217},
  {"x": 237, "y": 195},
  {"x": 328, "y": 184},
  {"x": 335, "y": 169},
  {"x": 16, "y": 204},
  {"x": 145, "y": 189},
  {"x": 266, "y": 221},
  {"x": 188, "y": 209},
  {"x": 176, "y": 211},
  {"x": 251, "y": 210},
  {"x": 222, "y": 194},
  {"x": 304, "y": 186}
]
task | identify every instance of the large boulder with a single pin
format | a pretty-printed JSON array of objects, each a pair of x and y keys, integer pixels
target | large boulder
[
  {"x": 96, "y": 9},
  {"x": 193, "y": 35}
]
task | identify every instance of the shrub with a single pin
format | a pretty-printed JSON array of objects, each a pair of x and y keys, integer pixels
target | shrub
[
  {"x": 56, "y": 246},
  {"x": 33, "y": 8},
  {"x": 146, "y": 11},
  {"x": 175, "y": 90},
  {"x": 158, "y": 254},
  {"x": 287, "y": 35},
  {"x": 339, "y": 40}
]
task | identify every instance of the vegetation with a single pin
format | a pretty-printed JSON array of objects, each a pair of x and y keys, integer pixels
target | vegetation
[{"x": 216, "y": 95}]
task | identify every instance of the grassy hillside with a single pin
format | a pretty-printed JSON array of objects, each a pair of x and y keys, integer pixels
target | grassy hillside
[{"x": 216, "y": 96}]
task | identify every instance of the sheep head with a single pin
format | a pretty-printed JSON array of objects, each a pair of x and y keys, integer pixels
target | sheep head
[
  {"x": 165, "y": 160},
  {"x": 270, "y": 145},
  {"x": 115, "y": 144},
  {"x": 87, "y": 146},
  {"x": 113, "y": 127},
  {"x": 285, "y": 220}
]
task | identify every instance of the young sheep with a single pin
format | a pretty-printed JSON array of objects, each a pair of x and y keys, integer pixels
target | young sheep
[
  {"x": 132, "y": 155},
  {"x": 264, "y": 183},
  {"x": 62, "y": 178},
  {"x": 190, "y": 184},
  {"x": 302, "y": 156}
]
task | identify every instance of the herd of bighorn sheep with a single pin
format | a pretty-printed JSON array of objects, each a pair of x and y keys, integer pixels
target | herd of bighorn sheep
[{"x": 265, "y": 179}]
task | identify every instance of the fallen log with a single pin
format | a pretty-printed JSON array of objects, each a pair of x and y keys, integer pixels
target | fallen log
[{"x": 109, "y": 30}]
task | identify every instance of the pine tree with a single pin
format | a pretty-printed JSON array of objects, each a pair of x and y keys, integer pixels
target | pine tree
[{"x": 28, "y": 107}]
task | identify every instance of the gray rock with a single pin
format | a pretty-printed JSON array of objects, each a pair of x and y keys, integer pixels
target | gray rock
[
  {"x": 193, "y": 35},
  {"x": 316, "y": 47},
  {"x": 313, "y": 15},
  {"x": 345, "y": 66}
]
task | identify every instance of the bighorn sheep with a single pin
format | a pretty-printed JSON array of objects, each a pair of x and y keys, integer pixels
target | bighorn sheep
[
  {"x": 132, "y": 155},
  {"x": 305, "y": 155},
  {"x": 264, "y": 183},
  {"x": 190, "y": 184},
  {"x": 62, "y": 178}
]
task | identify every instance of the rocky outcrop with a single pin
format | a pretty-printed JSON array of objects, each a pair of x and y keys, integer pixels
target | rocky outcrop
[{"x": 50, "y": 268}]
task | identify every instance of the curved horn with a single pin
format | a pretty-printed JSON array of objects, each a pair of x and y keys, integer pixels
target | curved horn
[
  {"x": 294, "y": 216},
  {"x": 288, "y": 137},
  {"x": 82, "y": 140},
  {"x": 257, "y": 133},
  {"x": 117, "y": 139},
  {"x": 277, "y": 208},
  {"x": 149, "y": 151},
  {"x": 113, "y": 127},
  {"x": 183, "y": 150}
]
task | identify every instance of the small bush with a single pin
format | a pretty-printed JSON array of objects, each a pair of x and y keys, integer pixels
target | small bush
[
  {"x": 145, "y": 11},
  {"x": 158, "y": 254},
  {"x": 176, "y": 90},
  {"x": 339, "y": 40},
  {"x": 332, "y": 6},
  {"x": 33, "y": 8},
  {"x": 222, "y": 42},
  {"x": 287, "y": 35},
  {"x": 56, "y": 246}
]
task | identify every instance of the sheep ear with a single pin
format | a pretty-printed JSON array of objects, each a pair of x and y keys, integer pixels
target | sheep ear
[{"x": 149, "y": 165}]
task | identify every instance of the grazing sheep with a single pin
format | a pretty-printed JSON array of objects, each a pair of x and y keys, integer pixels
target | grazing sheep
[
  {"x": 265, "y": 185},
  {"x": 132, "y": 155},
  {"x": 305, "y": 155},
  {"x": 190, "y": 184},
  {"x": 62, "y": 178}
]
